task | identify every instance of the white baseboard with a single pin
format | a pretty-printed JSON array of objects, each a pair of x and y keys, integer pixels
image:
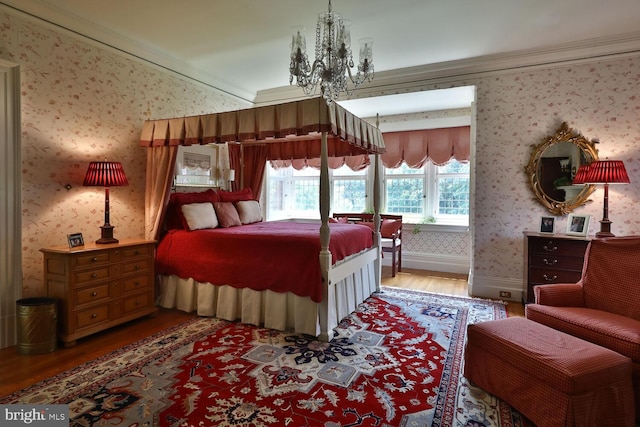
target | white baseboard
[
  {"x": 432, "y": 262},
  {"x": 490, "y": 287}
]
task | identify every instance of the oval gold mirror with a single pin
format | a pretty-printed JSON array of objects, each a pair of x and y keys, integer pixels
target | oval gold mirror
[{"x": 553, "y": 165}]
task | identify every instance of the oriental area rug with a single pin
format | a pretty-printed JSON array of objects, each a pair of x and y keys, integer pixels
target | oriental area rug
[{"x": 396, "y": 361}]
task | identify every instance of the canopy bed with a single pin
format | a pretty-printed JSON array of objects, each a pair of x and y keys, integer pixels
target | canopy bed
[{"x": 291, "y": 131}]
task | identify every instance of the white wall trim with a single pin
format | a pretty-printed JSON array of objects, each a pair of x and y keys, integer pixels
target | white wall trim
[
  {"x": 432, "y": 262},
  {"x": 10, "y": 201},
  {"x": 490, "y": 287}
]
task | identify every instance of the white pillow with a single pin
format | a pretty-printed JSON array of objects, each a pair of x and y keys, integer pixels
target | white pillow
[
  {"x": 200, "y": 215},
  {"x": 249, "y": 211}
]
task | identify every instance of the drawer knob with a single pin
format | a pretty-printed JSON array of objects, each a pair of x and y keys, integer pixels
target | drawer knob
[
  {"x": 550, "y": 248},
  {"x": 137, "y": 267},
  {"x": 94, "y": 294},
  {"x": 94, "y": 259},
  {"x": 547, "y": 262},
  {"x": 93, "y": 316},
  {"x": 94, "y": 275},
  {"x": 549, "y": 278}
]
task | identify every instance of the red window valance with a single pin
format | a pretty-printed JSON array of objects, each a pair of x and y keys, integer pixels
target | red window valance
[{"x": 416, "y": 147}]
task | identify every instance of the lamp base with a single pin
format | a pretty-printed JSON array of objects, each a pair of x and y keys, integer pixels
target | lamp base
[
  {"x": 605, "y": 229},
  {"x": 106, "y": 235}
]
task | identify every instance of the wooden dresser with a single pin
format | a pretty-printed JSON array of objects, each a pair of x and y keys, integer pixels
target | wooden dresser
[
  {"x": 99, "y": 286},
  {"x": 552, "y": 258}
]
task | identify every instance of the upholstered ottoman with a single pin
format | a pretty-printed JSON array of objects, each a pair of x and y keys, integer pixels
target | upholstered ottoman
[{"x": 552, "y": 378}]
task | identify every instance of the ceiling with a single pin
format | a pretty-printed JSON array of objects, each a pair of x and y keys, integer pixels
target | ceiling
[{"x": 242, "y": 46}]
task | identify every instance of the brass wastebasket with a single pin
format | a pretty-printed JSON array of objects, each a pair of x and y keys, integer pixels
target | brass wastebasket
[{"x": 37, "y": 325}]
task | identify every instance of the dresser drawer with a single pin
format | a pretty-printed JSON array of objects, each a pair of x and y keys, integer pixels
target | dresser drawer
[
  {"x": 136, "y": 266},
  {"x": 137, "y": 302},
  {"x": 541, "y": 276},
  {"x": 92, "y": 294},
  {"x": 93, "y": 316},
  {"x": 92, "y": 258},
  {"x": 93, "y": 275},
  {"x": 557, "y": 246},
  {"x": 136, "y": 283},
  {"x": 135, "y": 252},
  {"x": 556, "y": 261}
]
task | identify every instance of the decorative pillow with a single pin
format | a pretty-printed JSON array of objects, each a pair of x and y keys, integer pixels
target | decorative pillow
[
  {"x": 249, "y": 211},
  {"x": 174, "y": 217},
  {"x": 389, "y": 227},
  {"x": 199, "y": 216},
  {"x": 367, "y": 223},
  {"x": 227, "y": 214},
  {"x": 236, "y": 196}
]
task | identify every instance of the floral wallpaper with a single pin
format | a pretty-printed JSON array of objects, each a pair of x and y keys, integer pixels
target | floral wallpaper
[
  {"x": 517, "y": 110},
  {"x": 83, "y": 103}
]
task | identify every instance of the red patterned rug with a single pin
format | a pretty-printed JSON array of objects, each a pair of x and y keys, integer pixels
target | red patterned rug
[{"x": 396, "y": 361}]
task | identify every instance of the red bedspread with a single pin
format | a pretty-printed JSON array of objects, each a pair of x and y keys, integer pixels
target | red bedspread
[{"x": 281, "y": 256}]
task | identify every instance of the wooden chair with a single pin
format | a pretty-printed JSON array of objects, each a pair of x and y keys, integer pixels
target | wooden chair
[{"x": 391, "y": 231}]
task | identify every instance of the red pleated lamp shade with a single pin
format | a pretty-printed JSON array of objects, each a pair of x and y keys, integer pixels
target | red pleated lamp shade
[
  {"x": 581, "y": 174},
  {"x": 105, "y": 174},
  {"x": 606, "y": 172}
]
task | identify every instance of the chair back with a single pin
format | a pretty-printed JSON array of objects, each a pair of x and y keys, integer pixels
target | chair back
[{"x": 611, "y": 275}]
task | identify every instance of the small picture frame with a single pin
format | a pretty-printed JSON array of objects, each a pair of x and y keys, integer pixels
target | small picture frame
[
  {"x": 75, "y": 240},
  {"x": 548, "y": 224},
  {"x": 578, "y": 225}
]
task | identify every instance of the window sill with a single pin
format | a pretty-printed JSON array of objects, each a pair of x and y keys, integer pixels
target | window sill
[{"x": 439, "y": 227}]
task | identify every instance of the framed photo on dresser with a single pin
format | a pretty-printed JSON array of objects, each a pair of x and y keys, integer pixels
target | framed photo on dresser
[
  {"x": 578, "y": 225},
  {"x": 548, "y": 224}
]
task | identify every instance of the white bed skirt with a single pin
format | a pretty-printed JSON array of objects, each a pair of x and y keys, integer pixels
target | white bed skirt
[{"x": 281, "y": 311}]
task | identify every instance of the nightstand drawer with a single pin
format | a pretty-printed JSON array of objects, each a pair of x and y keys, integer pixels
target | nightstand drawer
[
  {"x": 137, "y": 302},
  {"x": 92, "y": 294},
  {"x": 136, "y": 283},
  {"x": 89, "y": 276},
  {"x": 92, "y": 316}
]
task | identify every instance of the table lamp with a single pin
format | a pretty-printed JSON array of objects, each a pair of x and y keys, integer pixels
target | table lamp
[{"x": 105, "y": 174}]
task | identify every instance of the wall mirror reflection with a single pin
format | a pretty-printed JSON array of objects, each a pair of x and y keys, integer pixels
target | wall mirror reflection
[{"x": 553, "y": 166}]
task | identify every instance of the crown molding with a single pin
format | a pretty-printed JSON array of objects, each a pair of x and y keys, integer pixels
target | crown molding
[
  {"x": 59, "y": 20},
  {"x": 406, "y": 79}
]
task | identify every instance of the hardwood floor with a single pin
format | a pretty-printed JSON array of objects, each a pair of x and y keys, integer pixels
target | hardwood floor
[{"x": 18, "y": 371}]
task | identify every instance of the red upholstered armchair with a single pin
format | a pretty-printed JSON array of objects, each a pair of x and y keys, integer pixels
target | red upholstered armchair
[{"x": 604, "y": 306}]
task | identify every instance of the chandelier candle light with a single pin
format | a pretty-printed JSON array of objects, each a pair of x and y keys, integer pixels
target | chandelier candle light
[
  {"x": 333, "y": 61},
  {"x": 603, "y": 172},
  {"x": 105, "y": 174}
]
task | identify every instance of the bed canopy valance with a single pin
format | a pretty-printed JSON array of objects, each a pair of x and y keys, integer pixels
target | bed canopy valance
[{"x": 295, "y": 130}]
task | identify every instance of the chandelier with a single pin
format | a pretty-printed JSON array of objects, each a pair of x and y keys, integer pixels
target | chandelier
[{"x": 333, "y": 62}]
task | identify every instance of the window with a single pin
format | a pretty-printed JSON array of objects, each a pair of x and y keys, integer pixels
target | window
[
  {"x": 296, "y": 193},
  {"x": 433, "y": 192},
  {"x": 437, "y": 192}
]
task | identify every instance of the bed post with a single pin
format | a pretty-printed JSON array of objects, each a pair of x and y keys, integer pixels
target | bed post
[
  {"x": 376, "y": 220},
  {"x": 327, "y": 315}
]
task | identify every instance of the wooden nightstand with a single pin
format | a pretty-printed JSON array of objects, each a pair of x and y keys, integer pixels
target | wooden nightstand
[{"x": 99, "y": 286}]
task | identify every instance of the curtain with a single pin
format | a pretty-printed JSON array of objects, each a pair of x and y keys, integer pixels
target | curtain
[
  {"x": 255, "y": 159},
  {"x": 417, "y": 147},
  {"x": 159, "y": 176}
]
